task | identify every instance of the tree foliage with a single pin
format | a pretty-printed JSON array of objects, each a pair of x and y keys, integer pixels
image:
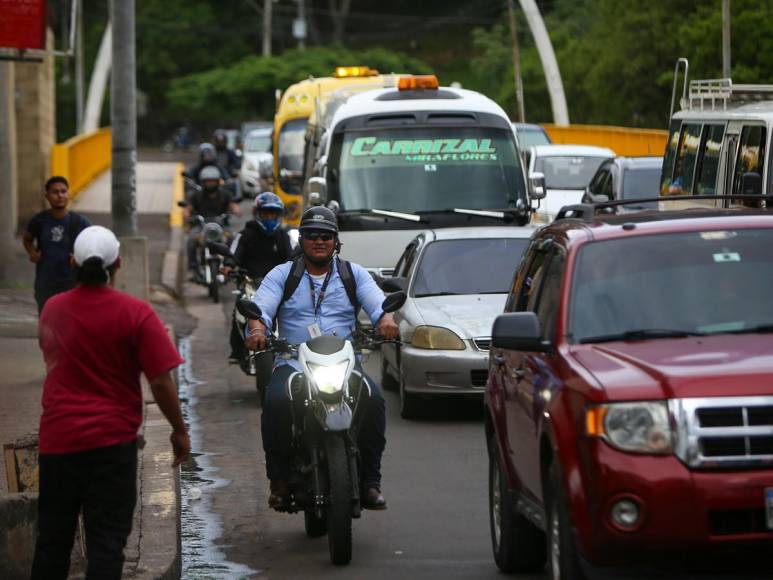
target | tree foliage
[
  {"x": 246, "y": 88},
  {"x": 617, "y": 58}
]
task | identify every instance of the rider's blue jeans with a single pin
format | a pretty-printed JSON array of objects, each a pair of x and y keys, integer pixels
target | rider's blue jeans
[{"x": 276, "y": 423}]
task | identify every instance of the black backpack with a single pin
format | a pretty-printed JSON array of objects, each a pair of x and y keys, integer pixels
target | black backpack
[{"x": 344, "y": 271}]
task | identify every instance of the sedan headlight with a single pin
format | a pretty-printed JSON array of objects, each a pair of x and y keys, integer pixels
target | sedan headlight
[
  {"x": 436, "y": 338},
  {"x": 329, "y": 379},
  {"x": 640, "y": 427}
]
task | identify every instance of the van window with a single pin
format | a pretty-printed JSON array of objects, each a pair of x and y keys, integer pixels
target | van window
[
  {"x": 708, "y": 164},
  {"x": 669, "y": 156},
  {"x": 750, "y": 161},
  {"x": 684, "y": 165}
]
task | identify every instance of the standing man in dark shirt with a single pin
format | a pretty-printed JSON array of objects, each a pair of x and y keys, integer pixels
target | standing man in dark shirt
[{"x": 48, "y": 240}]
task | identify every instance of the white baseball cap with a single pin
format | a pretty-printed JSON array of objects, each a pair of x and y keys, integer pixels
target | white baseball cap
[{"x": 96, "y": 242}]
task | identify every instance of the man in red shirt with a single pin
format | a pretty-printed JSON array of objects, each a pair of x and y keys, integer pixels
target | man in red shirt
[{"x": 96, "y": 341}]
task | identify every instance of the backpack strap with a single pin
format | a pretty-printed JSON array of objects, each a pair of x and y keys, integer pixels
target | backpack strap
[
  {"x": 293, "y": 280},
  {"x": 350, "y": 283}
]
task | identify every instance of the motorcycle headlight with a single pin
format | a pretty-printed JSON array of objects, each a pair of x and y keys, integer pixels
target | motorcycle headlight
[
  {"x": 436, "y": 338},
  {"x": 329, "y": 379},
  {"x": 640, "y": 427},
  {"x": 213, "y": 232}
]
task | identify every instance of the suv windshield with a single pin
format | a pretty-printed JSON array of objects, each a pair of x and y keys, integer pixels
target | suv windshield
[
  {"x": 567, "y": 171},
  {"x": 482, "y": 266},
  {"x": 426, "y": 169},
  {"x": 707, "y": 282}
]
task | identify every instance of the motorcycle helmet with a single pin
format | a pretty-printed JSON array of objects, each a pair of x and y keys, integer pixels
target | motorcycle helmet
[
  {"x": 207, "y": 153},
  {"x": 209, "y": 178},
  {"x": 268, "y": 201},
  {"x": 219, "y": 139},
  {"x": 319, "y": 218}
]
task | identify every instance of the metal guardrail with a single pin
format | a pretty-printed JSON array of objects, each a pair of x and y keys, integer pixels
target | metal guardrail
[
  {"x": 82, "y": 158},
  {"x": 622, "y": 140}
]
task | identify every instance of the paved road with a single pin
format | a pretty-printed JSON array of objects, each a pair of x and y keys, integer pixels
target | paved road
[{"x": 434, "y": 480}]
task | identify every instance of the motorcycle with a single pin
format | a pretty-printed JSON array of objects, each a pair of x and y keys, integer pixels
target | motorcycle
[
  {"x": 261, "y": 365},
  {"x": 325, "y": 395}
]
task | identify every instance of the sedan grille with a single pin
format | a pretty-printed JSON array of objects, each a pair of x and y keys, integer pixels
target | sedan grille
[
  {"x": 482, "y": 342},
  {"x": 724, "y": 431}
]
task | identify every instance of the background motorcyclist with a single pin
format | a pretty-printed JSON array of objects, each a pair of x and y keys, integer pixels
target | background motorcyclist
[
  {"x": 225, "y": 157},
  {"x": 262, "y": 245},
  {"x": 207, "y": 157},
  {"x": 330, "y": 312},
  {"x": 211, "y": 201}
]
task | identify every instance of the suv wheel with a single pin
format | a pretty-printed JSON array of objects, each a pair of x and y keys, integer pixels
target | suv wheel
[
  {"x": 519, "y": 546},
  {"x": 563, "y": 560}
]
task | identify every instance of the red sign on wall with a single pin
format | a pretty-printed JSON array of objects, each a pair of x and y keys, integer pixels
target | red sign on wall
[{"x": 23, "y": 24}]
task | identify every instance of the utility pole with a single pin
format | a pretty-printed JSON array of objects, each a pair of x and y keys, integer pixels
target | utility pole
[
  {"x": 521, "y": 115},
  {"x": 299, "y": 25},
  {"x": 8, "y": 183},
  {"x": 726, "y": 69},
  {"x": 79, "y": 70},
  {"x": 123, "y": 118},
  {"x": 267, "y": 8}
]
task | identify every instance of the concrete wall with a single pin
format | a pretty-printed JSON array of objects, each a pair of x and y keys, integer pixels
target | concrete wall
[
  {"x": 18, "y": 520},
  {"x": 35, "y": 130}
]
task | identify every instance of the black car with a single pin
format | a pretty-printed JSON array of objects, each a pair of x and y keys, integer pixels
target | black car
[{"x": 626, "y": 178}]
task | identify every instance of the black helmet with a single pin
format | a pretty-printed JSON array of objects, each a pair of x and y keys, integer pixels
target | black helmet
[{"x": 319, "y": 218}]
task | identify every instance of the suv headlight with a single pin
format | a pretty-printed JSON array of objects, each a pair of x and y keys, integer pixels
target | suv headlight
[
  {"x": 436, "y": 338},
  {"x": 639, "y": 427},
  {"x": 329, "y": 379}
]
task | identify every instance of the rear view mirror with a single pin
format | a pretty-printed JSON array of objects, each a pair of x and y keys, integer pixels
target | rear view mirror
[
  {"x": 183, "y": 203},
  {"x": 249, "y": 309},
  {"x": 396, "y": 284},
  {"x": 220, "y": 249},
  {"x": 537, "y": 188},
  {"x": 518, "y": 331},
  {"x": 394, "y": 302}
]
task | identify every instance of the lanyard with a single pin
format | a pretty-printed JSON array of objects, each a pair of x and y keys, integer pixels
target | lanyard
[{"x": 316, "y": 302}]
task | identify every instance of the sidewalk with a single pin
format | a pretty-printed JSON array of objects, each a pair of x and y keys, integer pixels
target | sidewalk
[{"x": 153, "y": 549}]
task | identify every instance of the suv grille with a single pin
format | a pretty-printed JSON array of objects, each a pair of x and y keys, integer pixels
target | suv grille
[
  {"x": 724, "y": 431},
  {"x": 482, "y": 343}
]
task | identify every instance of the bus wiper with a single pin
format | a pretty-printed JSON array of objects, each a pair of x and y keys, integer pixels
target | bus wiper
[
  {"x": 641, "y": 334},
  {"x": 411, "y": 217},
  {"x": 761, "y": 328}
]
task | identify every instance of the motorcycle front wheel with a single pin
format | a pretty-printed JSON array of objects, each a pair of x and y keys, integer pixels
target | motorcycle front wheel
[
  {"x": 214, "y": 285},
  {"x": 339, "y": 509}
]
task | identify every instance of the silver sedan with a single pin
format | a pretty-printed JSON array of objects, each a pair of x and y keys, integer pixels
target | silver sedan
[{"x": 457, "y": 281}]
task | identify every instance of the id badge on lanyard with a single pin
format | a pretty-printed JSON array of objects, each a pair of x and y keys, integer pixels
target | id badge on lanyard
[{"x": 316, "y": 301}]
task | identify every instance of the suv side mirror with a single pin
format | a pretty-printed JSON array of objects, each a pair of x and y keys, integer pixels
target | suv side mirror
[
  {"x": 518, "y": 331},
  {"x": 537, "y": 188},
  {"x": 395, "y": 284}
]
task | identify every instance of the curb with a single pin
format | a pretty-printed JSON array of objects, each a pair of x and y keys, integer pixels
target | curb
[{"x": 159, "y": 498}]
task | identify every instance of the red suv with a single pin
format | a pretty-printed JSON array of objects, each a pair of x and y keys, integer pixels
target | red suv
[{"x": 630, "y": 391}]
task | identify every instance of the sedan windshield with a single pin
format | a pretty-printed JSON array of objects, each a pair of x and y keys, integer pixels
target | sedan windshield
[
  {"x": 474, "y": 266},
  {"x": 567, "y": 172},
  {"x": 426, "y": 169},
  {"x": 673, "y": 285}
]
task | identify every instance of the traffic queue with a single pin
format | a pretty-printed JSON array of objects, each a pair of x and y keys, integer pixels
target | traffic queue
[{"x": 610, "y": 311}]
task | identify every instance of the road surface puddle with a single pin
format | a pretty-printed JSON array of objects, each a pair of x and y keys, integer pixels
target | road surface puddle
[{"x": 201, "y": 526}]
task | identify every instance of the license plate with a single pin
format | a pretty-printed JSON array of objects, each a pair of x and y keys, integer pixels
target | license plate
[{"x": 769, "y": 506}]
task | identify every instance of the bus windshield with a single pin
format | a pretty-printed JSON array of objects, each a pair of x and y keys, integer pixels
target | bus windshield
[
  {"x": 426, "y": 169},
  {"x": 290, "y": 155}
]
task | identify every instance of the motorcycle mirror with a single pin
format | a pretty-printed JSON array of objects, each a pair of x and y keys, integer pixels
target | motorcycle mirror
[
  {"x": 394, "y": 301},
  {"x": 220, "y": 249},
  {"x": 182, "y": 203},
  {"x": 249, "y": 309}
]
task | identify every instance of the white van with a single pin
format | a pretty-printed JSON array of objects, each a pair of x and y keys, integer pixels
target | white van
[
  {"x": 400, "y": 160},
  {"x": 719, "y": 142}
]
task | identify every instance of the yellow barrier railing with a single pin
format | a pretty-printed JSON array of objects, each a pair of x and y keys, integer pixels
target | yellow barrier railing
[
  {"x": 622, "y": 140},
  {"x": 82, "y": 158}
]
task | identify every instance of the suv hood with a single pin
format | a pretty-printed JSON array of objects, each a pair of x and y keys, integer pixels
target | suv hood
[{"x": 722, "y": 365}]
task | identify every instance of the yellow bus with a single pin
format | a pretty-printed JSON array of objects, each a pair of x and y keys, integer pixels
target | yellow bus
[{"x": 296, "y": 105}]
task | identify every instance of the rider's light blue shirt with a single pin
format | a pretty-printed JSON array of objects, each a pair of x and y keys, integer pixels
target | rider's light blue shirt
[{"x": 336, "y": 313}]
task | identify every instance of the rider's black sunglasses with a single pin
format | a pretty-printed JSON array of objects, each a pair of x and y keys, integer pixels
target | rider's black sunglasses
[{"x": 313, "y": 236}]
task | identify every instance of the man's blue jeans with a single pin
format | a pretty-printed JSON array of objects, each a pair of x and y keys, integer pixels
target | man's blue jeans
[{"x": 276, "y": 425}]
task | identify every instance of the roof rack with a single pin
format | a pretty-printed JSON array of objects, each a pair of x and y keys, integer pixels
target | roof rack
[
  {"x": 716, "y": 91},
  {"x": 587, "y": 212}
]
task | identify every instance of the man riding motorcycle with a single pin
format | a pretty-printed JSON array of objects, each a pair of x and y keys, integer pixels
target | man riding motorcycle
[
  {"x": 210, "y": 202},
  {"x": 262, "y": 245},
  {"x": 319, "y": 305},
  {"x": 226, "y": 158}
]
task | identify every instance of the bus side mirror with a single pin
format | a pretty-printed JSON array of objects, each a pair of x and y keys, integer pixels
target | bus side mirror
[
  {"x": 751, "y": 183},
  {"x": 537, "y": 188},
  {"x": 317, "y": 190}
]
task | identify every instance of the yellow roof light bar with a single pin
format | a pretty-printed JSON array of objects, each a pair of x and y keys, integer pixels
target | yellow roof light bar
[
  {"x": 418, "y": 82},
  {"x": 343, "y": 72}
]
